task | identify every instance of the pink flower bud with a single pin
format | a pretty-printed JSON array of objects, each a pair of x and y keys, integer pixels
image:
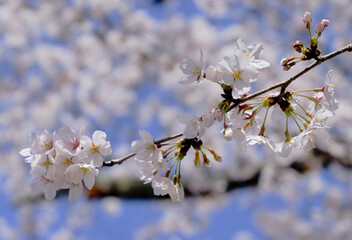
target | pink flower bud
[
  {"x": 325, "y": 22},
  {"x": 283, "y": 62},
  {"x": 307, "y": 17},
  {"x": 319, "y": 28}
]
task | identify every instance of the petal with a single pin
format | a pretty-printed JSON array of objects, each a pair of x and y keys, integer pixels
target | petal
[
  {"x": 105, "y": 149},
  {"x": 137, "y": 146},
  {"x": 241, "y": 45},
  {"x": 189, "y": 79},
  {"x": 146, "y": 136},
  {"x": 75, "y": 192},
  {"x": 86, "y": 142},
  {"x": 190, "y": 132},
  {"x": 240, "y": 86},
  {"x": 89, "y": 180},
  {"x": 99, "y": 137},
  {"x": 257, "y": 50},
  {"x": 49, "y": 192},
  {"x": 26, "y": 152},
  {"x": 249, "y": 73},
  {"x": 185, "y": 118},
  {"x": 258, "y": 63},
  {"x": 202, "y": 62},
  {"x": 226, "y": 64},
  {"x": 97, "y": 160},
  {"x": 187, "y": 65}
]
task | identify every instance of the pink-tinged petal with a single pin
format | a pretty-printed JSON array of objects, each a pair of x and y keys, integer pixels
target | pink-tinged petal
[
  {"x": 185, "y": 118},
  {"x": 187, "y": 65},
  {"x": 256, "y": 50},
  {"x": 240, "y": 137},
  {"x": 240, "y": 44},
  {"x": 249, "y": 73},
  {"x": 37, "y": 184},
  {"x": 190, "y": 131},
  {"x": 146, "y": 136},
  {"x": 75, "y": 192},
  {"x": 202, "y": 62},
  {"x": 189, "y": 79},
  {"x": 82, "y": 131},
  {"x": 49, "y": 192},
  {"x": 97, "y": 160},
  {"x": 105, "y": 149},
  {"x": 241, "y": 86},
  {"x": 99, "y": 137},
  {"x": 26, "y": 152},
  {"x": 137, "y": 146},
  {"x": 227, "y": 77},
  {"x": 74, "y": 174},
  {"x": 258, "y": 63},
  {"x": 86, "y": 142},
  {"x": 89, "y": 181},
  {"x": 226, "y": 64},
  {"x": 160, "y": 186},
  {"x": 66, "y": 133}
]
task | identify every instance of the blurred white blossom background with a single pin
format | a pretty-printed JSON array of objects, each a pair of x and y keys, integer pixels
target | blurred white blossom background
[{"x": 114, "y": 66}]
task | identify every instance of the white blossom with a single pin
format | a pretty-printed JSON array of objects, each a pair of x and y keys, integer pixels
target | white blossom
[
  {"x": 213, "y": 73},
  {"x": 258, "y": 139},
  {"x": 96, "y": 148},
  {"x": 194, "y": 72},
  {"x": 145, "y": 149},
  {"x": 238, "y": 73},
  {"x": 228, "y": 133},
  {"x": 305, "y": 139},
  {"x": 163, "y": 185},
  {"x": 42, "y": 182},
  {"x": 194, "y": 125},
  {"x": 253, "y": 52}
]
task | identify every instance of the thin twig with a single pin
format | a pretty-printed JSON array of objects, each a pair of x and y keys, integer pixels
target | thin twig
[
  {"x": 121, "y": 160},
  {"x": 168, "y": 138}
]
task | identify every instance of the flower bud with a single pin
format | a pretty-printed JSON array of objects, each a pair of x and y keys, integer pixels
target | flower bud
[
  {"x": 213, "y": 73},
  {"x": 197, "y": 160},
  {"x": 283, "y": 62},
  {"x": 206, "y": 160},
  {"x": 319, "y": 28},
  {"x": 227, "y": 134},
  {"x": 307, "y": 18},
  {"x": 298, "y": 45},
  {"x": 217, "y": 157}
]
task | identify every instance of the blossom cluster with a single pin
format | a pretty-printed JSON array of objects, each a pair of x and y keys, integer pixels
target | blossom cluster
[
  {"x": 68, "y": 160},
  {"x": 245, "y": 125},
  {"x": 156, "y": 163},
  {"x": 242, "y": 122},
  {"x": 151, "y": 160},
  {"x": 65, "y": 160}
]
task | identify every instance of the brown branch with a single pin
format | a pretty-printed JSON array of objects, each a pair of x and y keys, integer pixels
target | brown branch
[
  {"x": 121, "y": 160},
  {"x": 287, "y": 82}
]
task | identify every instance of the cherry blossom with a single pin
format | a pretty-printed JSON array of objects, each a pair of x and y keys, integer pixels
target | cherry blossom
[
  {"x": 194, "y": 72},
  {"x": 95, "y": 148},
  {"x": 194, "y": 125},
  {"x": 317, "y": 129},
  {"x": 253, "y": 52},
  {"x": 145, "y": 149},
  {"x": 238, "y": 73}
]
